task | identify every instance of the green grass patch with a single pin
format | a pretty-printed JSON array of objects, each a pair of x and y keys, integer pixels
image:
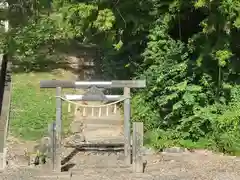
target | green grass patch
[
  {"x": 160, "y": 139},
  {"x": 32, "y": 108}
]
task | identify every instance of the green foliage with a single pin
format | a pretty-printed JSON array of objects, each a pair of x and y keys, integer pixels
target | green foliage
[
  {"x": 67, "y": 21},
  {"x": 222, "y": 56},
  {"x": 31, "y": 42},
  {"x": 33, "y": 109},
  {"x": 105, "y": 20},
  {"x": 199, "y": 109},
  {"x": 160, "y": 139},
  {"x": 187, "y": 50},
  {"x": 147, "y": 114}
]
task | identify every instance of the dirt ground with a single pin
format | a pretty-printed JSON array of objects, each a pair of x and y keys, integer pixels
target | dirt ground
[{"x": 199, "y": 165}]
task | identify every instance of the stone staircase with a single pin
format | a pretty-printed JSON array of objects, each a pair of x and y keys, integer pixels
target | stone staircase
[
  {"x": 104, "y": 129},
  {"x": 103, "y": 135},
  {"x": 96, "y": 153}
]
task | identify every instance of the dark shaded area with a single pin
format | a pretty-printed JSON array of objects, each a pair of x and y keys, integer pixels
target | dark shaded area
[
  {"x": 98, "y": 145},
  {"x": 5, "y": 97},
  {"x": 40, "y": 66},
  {"x": 67, "y": 167},
  {"x": 2, "y": 79},
  {"x": 144, "y": 166},
  {"x": 187, "y": 24},
  {"x": 81, "y": 59},
  {"x": 69, "y": 157}
]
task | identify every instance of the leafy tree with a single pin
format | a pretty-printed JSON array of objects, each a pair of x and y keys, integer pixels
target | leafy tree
[{"x": 187, "y": 50}]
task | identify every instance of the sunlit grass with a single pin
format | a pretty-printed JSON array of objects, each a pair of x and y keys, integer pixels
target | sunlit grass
[{"x": 32, "y": 108}]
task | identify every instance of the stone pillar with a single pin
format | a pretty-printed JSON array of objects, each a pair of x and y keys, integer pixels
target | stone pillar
[{"x": 3, "y": 159}]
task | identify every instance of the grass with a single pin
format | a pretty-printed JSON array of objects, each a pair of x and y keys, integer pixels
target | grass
[
  {"x": 160, "y": 139},
  {"x": 32, "y": 108}
]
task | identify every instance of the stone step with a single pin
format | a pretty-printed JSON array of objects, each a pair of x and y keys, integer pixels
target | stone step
[
  {"x": 77, "y": 171},
  {"x": 110, "y": 134},
  {"x": 99, "y": 149},
  {"x": 53, "y": 176},
  {"x": 101, "y": 128},
  {"x": 106, "y": 140},
  {"x": 96, "y": 145},
  {"x": 102, "y": 137},
  {"x": 78, "y": 126},
  {"x": 109, "y": 128},
  {"x": 115, "y": 122}
]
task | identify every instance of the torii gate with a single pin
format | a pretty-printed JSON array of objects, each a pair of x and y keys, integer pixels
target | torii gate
[{"x": 126, "y": 84}]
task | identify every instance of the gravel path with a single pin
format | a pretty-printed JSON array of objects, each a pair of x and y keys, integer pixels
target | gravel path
[{"x": 169, "y": 166}]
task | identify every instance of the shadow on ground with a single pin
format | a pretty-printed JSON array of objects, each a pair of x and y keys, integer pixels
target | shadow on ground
[{"x": 67, "y": 165}]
